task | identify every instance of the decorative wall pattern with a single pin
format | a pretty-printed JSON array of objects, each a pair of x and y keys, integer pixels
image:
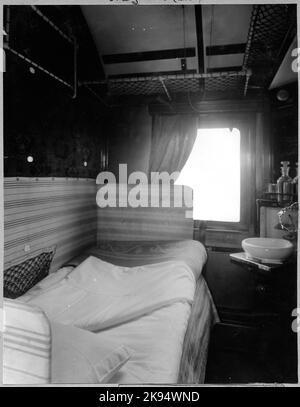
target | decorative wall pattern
[{"x": 40, "y": 213}]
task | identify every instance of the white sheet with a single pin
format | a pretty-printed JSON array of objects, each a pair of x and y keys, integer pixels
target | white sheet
[
  {"x": 156, "y": 342},
  {"x": 148, "y": 313},
  {"x": 97, "y": 295},
  {"x": 80, "y": 356}
]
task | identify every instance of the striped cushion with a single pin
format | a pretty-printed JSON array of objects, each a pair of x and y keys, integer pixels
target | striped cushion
[
  {"x": 20, "y": 278},
  {"x": 27, "y": 344}
]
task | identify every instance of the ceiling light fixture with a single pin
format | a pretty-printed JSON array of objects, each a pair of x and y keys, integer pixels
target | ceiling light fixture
[{"x": 282, "y": 95}]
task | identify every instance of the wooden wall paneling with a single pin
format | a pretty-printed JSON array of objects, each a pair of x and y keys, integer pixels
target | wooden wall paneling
[{"x": 263, "y": 153}]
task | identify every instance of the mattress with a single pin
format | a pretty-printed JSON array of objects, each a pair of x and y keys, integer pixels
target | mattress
[
  {"x": 203, "y": 314},
  {"x": 169, "y": 341}
]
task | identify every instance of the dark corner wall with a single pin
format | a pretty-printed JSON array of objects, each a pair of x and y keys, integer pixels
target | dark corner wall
[
  {"x": 41, "y": 117},
  {"x": 284, "y": 120},
  {"x": 130, "y": 130}
]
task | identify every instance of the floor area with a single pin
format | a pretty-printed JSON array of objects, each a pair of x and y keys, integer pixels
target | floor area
[
  {"x": 226, "y": 366},
  {"x": 231, "y": 368}
]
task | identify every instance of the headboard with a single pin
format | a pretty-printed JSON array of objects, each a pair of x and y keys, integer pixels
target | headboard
[{"x": 164, "y": 221}]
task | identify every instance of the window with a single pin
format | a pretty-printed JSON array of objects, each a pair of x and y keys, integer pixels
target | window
[{"x": 213, "y": 170}]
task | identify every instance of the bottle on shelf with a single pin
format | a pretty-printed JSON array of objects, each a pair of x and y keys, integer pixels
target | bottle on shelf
[
  {"x": 284, "y": 185},
  {"x": 271, "y": 191}
]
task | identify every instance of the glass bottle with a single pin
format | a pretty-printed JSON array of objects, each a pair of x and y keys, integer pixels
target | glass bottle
[
  {"x": 295, "y": 182},
  {"x": 284, "y": 184}
]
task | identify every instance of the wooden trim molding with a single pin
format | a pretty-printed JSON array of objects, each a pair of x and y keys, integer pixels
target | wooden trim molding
[
  {"x": 225, "y": 69},
  {"x": 200, "y": 45},
  {"x": 226, "y": 49},
  {"x": 149, "y": 55}
]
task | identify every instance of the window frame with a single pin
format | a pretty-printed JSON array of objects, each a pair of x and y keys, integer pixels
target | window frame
[{"x": 245, "y": 123}]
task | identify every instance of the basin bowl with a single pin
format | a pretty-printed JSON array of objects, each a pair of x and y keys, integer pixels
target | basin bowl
[{"x": 267, "y": 250}]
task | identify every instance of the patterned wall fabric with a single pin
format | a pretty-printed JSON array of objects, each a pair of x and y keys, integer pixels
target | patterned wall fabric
[
  {"x": 145, "y": 223},
  {"x": 42, "y": 212}
]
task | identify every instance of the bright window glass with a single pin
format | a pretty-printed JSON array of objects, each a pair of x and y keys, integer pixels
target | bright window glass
[{"x": 213, "y": 171}]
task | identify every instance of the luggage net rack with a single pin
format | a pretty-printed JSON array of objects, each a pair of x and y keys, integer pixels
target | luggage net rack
[
  {"x": 173, "y": 84},
  {"x": 233, "y": 83},
  {"x": 271, "y": 26}
]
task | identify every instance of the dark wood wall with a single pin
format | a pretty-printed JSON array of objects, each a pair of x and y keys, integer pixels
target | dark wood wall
[
  {"x": 284, "y": 125},
  {"x": 41, "y": 117},
  {"x": 129, "y": 130}
]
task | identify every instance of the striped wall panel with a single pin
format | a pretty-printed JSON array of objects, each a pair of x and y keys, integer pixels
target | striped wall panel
[
  {"x": 43, "y": 212},
  {"x": 146, "y": 223}
]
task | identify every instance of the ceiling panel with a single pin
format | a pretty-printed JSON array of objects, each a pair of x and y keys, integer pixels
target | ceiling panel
[
  {"x": 219, "y": 61},
  {"x": 225, "y": 25},
  {"x": 161, "y": 40},
  {"x": 131, "y": 29}
]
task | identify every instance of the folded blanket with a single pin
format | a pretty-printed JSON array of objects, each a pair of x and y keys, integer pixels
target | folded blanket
[{"x": 97, "y": 295}]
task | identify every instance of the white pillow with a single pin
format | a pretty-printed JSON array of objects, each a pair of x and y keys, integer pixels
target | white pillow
[{"x": 80, "y": 356}]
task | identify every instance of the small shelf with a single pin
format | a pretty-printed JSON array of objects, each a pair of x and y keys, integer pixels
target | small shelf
[
  {"x": 271, "y": 198},
  {"x": 241, "y": 258}
]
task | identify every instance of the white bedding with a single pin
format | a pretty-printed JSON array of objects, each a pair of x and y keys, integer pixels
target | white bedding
[
  {"x": 98, "y": 295},
  {"x": 145, "y": 308},
  {"x": 156, "y": 342}
]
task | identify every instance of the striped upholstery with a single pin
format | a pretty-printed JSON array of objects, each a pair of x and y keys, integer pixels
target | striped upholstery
[
  {"x": 196, "y": 342},
  {"x": 146, "y": 223},
  {"x": 26, "y": 344},
  {"x": 46, "y": 212}
]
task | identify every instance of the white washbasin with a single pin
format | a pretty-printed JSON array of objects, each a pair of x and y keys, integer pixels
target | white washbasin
[{"x": 267, "y": 250}]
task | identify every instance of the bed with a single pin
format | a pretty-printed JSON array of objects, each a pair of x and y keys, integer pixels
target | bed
[{"x": 124, "y": 311}]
